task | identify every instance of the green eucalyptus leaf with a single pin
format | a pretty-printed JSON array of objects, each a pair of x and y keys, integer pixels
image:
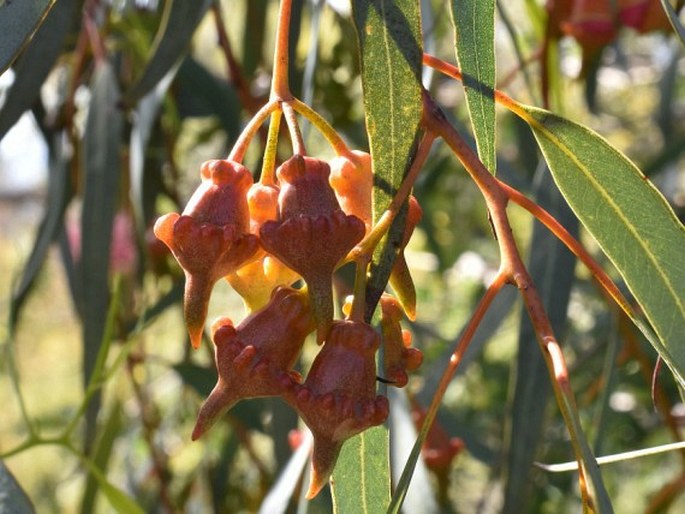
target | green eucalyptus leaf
[
  {"x": 36, "y": 61},
  {"x": 179, "y": 21},
  {"x": 12, "y": 497},
  {"x": 58, "y": 195},
  {"x": 629, "y": 218},
  {"x": 18, "y": 22},
  {"x": 102, "y": 141},
  {"x": 389, "y": 35},
  {"x": 211, "y": 94},
  {"x": 421, "y": 495},
  {"x": 253, "y": 36},
  {"x": 361, "y": 480},
  {"x": 474, "y": 41},
  {"x": 282, "y": 492},
  {"x": 101, "y": 457},
  {"x": 118, "y": 499}
]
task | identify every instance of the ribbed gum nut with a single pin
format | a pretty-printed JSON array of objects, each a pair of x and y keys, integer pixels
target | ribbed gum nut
[
  {"x": 352, "y": 181},
  {"x": 305, "y": 190},
  {"x": 338, "y": 399},
  {"x": 313, "y": 246},
  {"x": 255, "y": 358},
  {"x": 262, "y": 201},
  {"x": 209, "y": 239},
  {"x": 398, "y": 356},
  {"x": 221, "y": 197},
  {"x": 400, "y": 277},
  {"x": 255, "y": 281}
]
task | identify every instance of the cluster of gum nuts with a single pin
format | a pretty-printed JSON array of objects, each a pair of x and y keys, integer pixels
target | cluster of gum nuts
[{"x": 264, "y": 239}]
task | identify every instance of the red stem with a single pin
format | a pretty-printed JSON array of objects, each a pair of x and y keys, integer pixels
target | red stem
[
  {"x": 280, "y": 89},
  {"x": 514, "y": 271}
]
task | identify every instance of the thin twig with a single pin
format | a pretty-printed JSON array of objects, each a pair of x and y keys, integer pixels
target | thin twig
[
  {"x": 294, "y": 129},
  {"x": 238, "y": 152},
  {"x": 616, "y": 457},
  {"x": 280, "y": 88}
]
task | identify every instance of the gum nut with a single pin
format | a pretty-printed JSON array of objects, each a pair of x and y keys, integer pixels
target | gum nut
[{"x": 221, "y": 197}]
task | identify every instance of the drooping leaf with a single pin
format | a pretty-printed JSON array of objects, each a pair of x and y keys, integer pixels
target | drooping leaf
[
  {"x": 278, "y": 498},
  {"x": 102, "y": 160},
  {"x": 18, "y": 22},
  {"x": 628, "y": 217},
  {"x": 12, "y": 497},
  {"x": 36, "y": 62},
  {"x": 179, "y": 21},
  {"x": 214, "y": 96},
  {"x": 58, "y": 195},
  {"x": 102, "y": 454},
  {"x": 144, "y": 121},
  {"x": 295, "y": 29},
  {"x": 675, "y": 21},
  {"x": 361, "y": 480},
  {"x": 118, "y": 499},
  {"x": 420, "y": 497},
  {"x": 253, "y": 37},
  {"x": 552, "y": 270},
  {"x": 389, "y": 35},
  {"x": 474, "y": 39}
]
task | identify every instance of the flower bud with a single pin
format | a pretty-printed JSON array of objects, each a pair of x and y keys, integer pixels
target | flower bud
[{"x": 398, "y": 356}]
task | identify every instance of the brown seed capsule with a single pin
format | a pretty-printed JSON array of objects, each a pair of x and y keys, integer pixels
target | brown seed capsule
[
  {"x": 255, "y": 358},
  {"x": 210, "y": 238}
]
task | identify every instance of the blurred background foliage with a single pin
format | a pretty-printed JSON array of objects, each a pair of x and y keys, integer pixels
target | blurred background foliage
[{"x": 105, "y": 122}]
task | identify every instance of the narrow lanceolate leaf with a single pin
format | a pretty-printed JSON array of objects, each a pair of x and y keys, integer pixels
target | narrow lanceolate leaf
[
  {"x": 18, "y": 22},
  {"x": 628, "y": 217},
  {"x": 36, "y": 62},
  {"x": 12, "y": 496},
  {"x": 58, "y": 196},
  {"x": 118, "y": 499},
  {"x": 103, "y": 169},
  {"x": 474, "y": 41},
  {"x": 389, "y": 33},
  {"x": 361, "y": 480},
  {"x": 179, "y": 21},
  {"x": 211, "y": 94}
]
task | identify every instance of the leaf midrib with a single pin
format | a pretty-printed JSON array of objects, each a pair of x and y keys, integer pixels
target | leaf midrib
[
  {"x": 557, "y": 142},
  {"x": 390, "y": 68}
]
